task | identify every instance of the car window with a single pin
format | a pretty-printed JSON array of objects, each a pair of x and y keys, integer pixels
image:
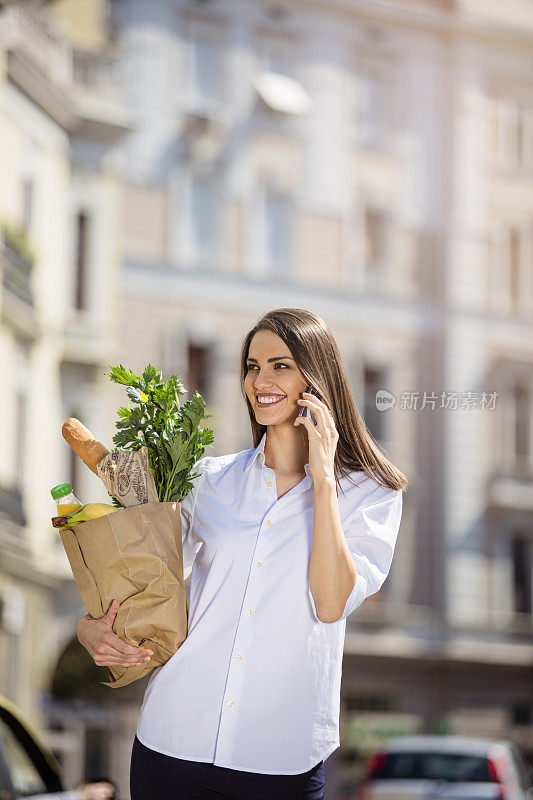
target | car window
[
  {"x": 442, "y": 766},
  {"x": 24, "y": 775}
]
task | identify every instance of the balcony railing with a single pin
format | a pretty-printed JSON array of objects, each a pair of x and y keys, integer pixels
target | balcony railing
[
  {"x": 23, "y": 27},
  {"x": 16, "y": 274},
  {"x": 27, "y": 30}
]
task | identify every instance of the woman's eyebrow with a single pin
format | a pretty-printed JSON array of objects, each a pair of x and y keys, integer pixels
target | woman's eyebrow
[{"x": 276, "y": 358}]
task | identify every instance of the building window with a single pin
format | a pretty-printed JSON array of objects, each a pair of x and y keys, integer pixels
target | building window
[
  {"x": 199, "y": 370},
  {"x": 522, "y": 713},
  {"x": 21, "y": 409},
  {"x": 510, "y": 131},
  {"x": 204, "y": 217},
  {"x": 516, "y": 429},
  {"x": 513, "y": 263},
  {"x": 521, "y": 405},
  {"x": 375, "y": 237},
  {"x": 278, "y": 223},
  {"x": 207, "y": 77},
  {"x": 522, "y": 570},
  {"x": 375, "y": 378},
  {"x": 82, "y": 247},
  {"x": 374, "y": 107},
  {"x": 353, "y": 702},
  {"x": 27, "y": 202},
  {"x": 507, "y": 273}
]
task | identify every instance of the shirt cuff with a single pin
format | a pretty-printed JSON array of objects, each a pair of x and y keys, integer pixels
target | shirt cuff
[
  {"x": 356, "y": 596},
  {"x": 313, "y": 604},
  {"x": 354, "y": 600}
]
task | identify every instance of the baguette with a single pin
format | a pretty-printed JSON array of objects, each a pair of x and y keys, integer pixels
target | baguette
[{"x": 84, "y": 444}]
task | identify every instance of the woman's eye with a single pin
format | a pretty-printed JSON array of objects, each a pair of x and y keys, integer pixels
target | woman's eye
[{"x": 279, "y": 364}]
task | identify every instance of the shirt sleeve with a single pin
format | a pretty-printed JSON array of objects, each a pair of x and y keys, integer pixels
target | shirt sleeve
[
  {"x": 371, "y": 532},
  {"x": 187, "y": 509}
]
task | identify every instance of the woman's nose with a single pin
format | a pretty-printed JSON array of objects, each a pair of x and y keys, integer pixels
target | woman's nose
[{"x": 262, "y": 385}]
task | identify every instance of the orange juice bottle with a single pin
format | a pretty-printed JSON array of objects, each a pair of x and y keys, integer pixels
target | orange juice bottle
[{"x": 67, "y": 502}]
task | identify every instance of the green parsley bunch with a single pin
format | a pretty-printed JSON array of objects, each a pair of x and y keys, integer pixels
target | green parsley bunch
[{"x": 171, "y": 432}]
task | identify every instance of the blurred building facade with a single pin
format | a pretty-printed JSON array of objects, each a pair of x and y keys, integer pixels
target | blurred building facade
[
  {"x": 373, "y": 163},
  {"x": 60, "y": 119}
]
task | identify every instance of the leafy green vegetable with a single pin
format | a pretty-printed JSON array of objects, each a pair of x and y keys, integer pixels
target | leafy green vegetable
[{"x": 171, "y": 432}]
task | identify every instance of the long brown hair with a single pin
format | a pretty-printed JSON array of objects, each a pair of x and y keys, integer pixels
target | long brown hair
[{"x": 315, "y": 352}]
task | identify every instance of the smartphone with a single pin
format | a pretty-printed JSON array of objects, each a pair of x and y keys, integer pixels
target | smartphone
[{"x": 305, "y": 411}]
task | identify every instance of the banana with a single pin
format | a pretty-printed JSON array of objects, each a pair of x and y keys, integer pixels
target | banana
[{"x": 84, "y": 514}]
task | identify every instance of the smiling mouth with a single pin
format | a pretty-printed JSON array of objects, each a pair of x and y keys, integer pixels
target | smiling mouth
[{"x": 267, "y": 405}]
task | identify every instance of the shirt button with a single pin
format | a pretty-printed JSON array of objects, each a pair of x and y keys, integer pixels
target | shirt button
[
  {"x": 270, "y": 483},
  {"x": 249, "y": 610},
  {"x": 269, "y": 522},
  {"x": 239, "y": 657},
  {"x": 231, "y": 704},
  {"x": 259, "y": 563}
]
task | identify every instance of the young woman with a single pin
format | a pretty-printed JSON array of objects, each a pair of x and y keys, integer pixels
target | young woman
[{"x": 283, "y": 542}]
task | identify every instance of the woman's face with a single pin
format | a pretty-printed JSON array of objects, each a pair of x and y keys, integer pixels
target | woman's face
[{"x": 277, "y": 382}]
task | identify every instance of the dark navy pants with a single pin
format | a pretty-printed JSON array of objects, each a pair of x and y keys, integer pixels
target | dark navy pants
[{"x": 155, "y": 776}]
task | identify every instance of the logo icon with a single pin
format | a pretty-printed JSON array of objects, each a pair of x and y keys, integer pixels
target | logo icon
[{"x": 384, "y": 400}]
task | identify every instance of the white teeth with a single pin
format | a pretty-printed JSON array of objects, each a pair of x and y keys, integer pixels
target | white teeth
[{"x": 267, "y": 400}]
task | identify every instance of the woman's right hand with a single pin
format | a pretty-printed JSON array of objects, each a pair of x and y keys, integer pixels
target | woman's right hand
[
  {"x": 105, "y": 647},
  {"x": 96, "y": 791}
]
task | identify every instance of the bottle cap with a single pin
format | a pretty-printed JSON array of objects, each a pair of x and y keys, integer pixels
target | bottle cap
[{"x": 61, "y": 490}]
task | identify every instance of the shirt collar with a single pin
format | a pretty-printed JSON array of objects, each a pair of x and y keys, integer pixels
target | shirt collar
[{"x": 259, "y": 452}]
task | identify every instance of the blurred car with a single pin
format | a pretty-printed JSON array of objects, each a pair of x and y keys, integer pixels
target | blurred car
[
  {"x": 27, "y": 766},
  {"x": 436, "y": 767}
]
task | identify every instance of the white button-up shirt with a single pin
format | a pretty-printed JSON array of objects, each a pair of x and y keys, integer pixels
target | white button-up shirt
[{"x": 255, "y": 686}]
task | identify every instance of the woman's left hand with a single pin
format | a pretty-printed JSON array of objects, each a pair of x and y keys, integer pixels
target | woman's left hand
[
  {"x": 96, "y": 791},
  {"x": 323, "y": 437}
]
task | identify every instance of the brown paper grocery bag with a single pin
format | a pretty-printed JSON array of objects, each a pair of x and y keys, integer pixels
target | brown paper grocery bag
[{"x": 135, "y": 556}]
